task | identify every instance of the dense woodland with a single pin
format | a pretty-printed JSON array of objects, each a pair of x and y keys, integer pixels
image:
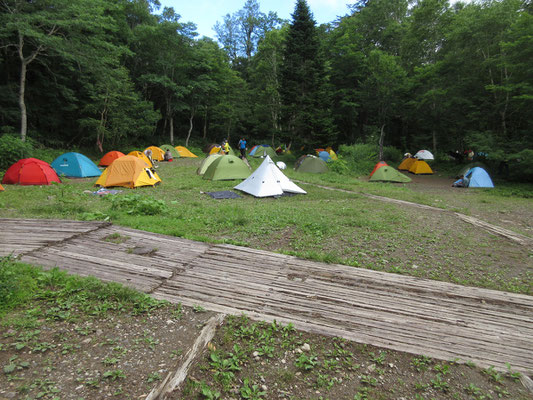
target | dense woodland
[{"x": 417, "y": 74}]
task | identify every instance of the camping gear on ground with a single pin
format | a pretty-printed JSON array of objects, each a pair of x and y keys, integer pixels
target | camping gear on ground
[
  {"x": 281, "y": 165},
  {"x": 75, "y": 165},
  {"x": 267, "y": 180},
  {"x": 406, "y": 164},
  {"x": 104, "y": 192},
  {"x": 420, "y": 167},
  {"x": 378, "y": 166},
  {"x": 30, "y": 171},
  {"x": 324, "y": 155},
  {"x": 128, "y": 171},
  {"x": 310, "y": 163},
  {"x": 388, "y": 174},
  {"x": 158, "y": 154},
  {"x": 424, "y": 155},
  {"x": 184, "y": 152},
  {"x": 479, "y": 178},
  {"x": 109, "y": 157},
  {"x": 206, "y": 163},
  {"x": 142, "y": 156},
  {"x": 172, "y": 150},
  {"x": 227, "y": 167},
  {"x": 262, "y": 151},
  {"x": 225, "y": 194}
]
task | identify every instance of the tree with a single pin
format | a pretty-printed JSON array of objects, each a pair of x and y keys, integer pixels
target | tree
[
  {"x": 39, "y": 29},
  {"x": 303, "y": 91}
]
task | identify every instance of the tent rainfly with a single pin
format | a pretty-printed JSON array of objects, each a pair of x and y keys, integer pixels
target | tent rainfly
[
  {"x": 424, "y": 155},
  {"x": 268, "y": 180}
]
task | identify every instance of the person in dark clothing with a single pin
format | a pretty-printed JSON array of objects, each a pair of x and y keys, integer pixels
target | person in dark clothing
[{"x": 242, "y": 147}]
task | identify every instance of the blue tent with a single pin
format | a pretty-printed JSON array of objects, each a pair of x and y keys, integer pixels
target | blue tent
[
  {"x": 479, "y": 178},
  {"x": 324, "y": 155},
  {"x": 255, "y": 148},
  {"x": 75, "y": 165}
]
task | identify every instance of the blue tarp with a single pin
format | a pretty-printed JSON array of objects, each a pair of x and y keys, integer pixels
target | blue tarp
[
  {"x": 479, "y": 178},
  {"x": 324, "y": 155},
  {"x": 75, "y": 165}
]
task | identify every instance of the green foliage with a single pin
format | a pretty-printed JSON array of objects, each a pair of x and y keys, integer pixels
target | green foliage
[
  {"x": 135, "y": 204},
  {"x": 17, "y": 283},
  {"x": 521, "y": 166},
  {"x": 13, "y": 149}
]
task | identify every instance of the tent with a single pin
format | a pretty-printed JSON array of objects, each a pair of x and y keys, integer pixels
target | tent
[
  {"x": 30, "y": 171},
  {"x": 184, "y": 152},
  {"x": 257, "y": 147},
  {"x": 206, "y": 163},
  {"x": 172, "y": 150},
  {"x": 310, "y": 163},
  {"x": 75, "y": 165},
  {"x": 406, "y": 164},
  {"x": 227, "y": 167},
  {"x": 267, "y": 180},
  {"x": 420, "y": 167},
  {"x": 109, "y": 157},
  {"x": 158, "y": 154},
  {"x": 1, "y": 188},
  {"x": 215, "y": 150},
  {"x": 389, "y": 174},
  {"x": 424, "y": 155},
  {"x": 332, "y": 154},
  {"x": 479, "y": 178},
  {"x": 128, "y": 171},
  {"x": 378, "y": 166},
  {"x": 262, "y": 151},
  {"x": 466, "y": 168},
  {"x": 142, "y": 156},
  {"x": 324, "y": 155}
]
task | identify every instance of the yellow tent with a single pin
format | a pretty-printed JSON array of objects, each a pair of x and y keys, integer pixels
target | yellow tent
[
  {"x": 215, "y": 150},
  {"x": 420, "y": 167},
  {"x": 128, "y": 171},
  {"x": 158, "y": 153},
  {"x": 406, "y": 164},
  {"x": 142, "y": 156},
  {"x": 184, "y": 152},
  {"x": 332, "y": 154}
]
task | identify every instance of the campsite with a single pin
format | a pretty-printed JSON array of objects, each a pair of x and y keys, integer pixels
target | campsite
[
  {"x": 302, "y": 201},
  {"x": 336, "y": 214}
]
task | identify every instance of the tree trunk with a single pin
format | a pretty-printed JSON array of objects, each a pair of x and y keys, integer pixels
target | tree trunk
[
  {"x": 205, "y": 124},
  {"x": 22, "y": 103},
  {"x": 191, "y": 117},
  {"x": 381, "y": 140},
  {"x": 434, "y": 142},
  {"x": 171, "y": 129}
]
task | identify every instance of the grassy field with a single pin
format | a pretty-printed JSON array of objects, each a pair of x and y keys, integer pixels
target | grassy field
[{"x": 324, "y": 225}]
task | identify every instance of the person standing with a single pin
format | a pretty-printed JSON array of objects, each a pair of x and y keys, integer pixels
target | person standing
[
  {"x": 225, "y": 147},
  {"x": 242, "y": 147}
]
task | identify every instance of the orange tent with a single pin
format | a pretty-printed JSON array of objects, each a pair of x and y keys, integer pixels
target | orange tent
[
  {"x": 420, "y": 167},
  {"x": 1, "y": 188},
  {"x": 158, "y": 153},
  {"x": 109, "y": 157},
  {"x": 128, "y": 171},
  {"x": 142, "y": 156},
  {"x": 184, "y": 152},
  {"x": 378, "y": 166}
]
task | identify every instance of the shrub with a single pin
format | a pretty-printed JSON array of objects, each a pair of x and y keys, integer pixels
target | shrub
[
  {"x": 521, "y": 166},
  {"x": 138, "y": 205},
  {"x": 12, "y": 150}
]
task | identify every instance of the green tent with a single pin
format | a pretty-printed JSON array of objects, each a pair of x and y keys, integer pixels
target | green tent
[
  {"x": 262, "y": 151},
  {"x": 206, "y": 163},
  {"x": 389, "y": 174},
  {"x": 227, "y": 167},
  {"x": 312, "y": 164},
  {"x": 172, "y": 150}
]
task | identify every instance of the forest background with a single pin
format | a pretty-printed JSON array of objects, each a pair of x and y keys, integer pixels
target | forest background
[{"x": 107, "y": 74}]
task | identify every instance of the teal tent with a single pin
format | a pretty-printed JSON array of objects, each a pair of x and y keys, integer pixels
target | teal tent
[{"x": 75, "y": 165}]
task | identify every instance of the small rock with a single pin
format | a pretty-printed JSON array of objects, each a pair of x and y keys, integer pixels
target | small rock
[
  {"x": 306, "y": 347},
  {"x": 10, "y": 395},
  {"x": 255, "y": 354},
  {"x": 264, "y": 388},
  {"x": 283, "y": 361},
  {"x": 299, "y": 351},
  {"x": 169, "y": 322},
  {"x": 99, "y": 332},
  {"x": 391, "y": 365},
  {"x": 371, "y": 368},
  {"x": 87, "y": 341},
  {"x": 298, "y": 373},
  {"x": 415, "y": 266}
]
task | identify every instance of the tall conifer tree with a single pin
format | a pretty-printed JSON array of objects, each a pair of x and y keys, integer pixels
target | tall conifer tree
[{"x": 303, "y": 91}]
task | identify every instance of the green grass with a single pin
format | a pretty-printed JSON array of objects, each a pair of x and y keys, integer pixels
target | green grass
[{"x": 324, "y": 225}]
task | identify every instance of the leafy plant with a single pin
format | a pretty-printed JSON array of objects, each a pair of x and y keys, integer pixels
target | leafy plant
[
  {"x": 250, "y": 391},
  {"x": 306, "y": 362},
  {"x": 135, "y": 204}
]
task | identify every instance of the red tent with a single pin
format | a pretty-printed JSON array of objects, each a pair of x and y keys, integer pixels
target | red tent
[
  {"x": 30, "y": 171},
  {"x": 378, "y": 166},
  {"x": 109, "y": 157}
]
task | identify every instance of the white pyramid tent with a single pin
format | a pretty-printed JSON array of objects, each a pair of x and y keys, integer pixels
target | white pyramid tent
[{"x": 268, "y": 180}]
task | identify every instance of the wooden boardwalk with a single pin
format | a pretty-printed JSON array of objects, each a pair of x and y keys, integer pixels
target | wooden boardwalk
[{"x": 397, "y": 312}]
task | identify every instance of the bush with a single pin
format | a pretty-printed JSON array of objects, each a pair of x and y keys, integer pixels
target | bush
[
  {"x": 521, "y": 166},
  {"x": 137, "y": 205},
  {"x": 13, "y": 149}
]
